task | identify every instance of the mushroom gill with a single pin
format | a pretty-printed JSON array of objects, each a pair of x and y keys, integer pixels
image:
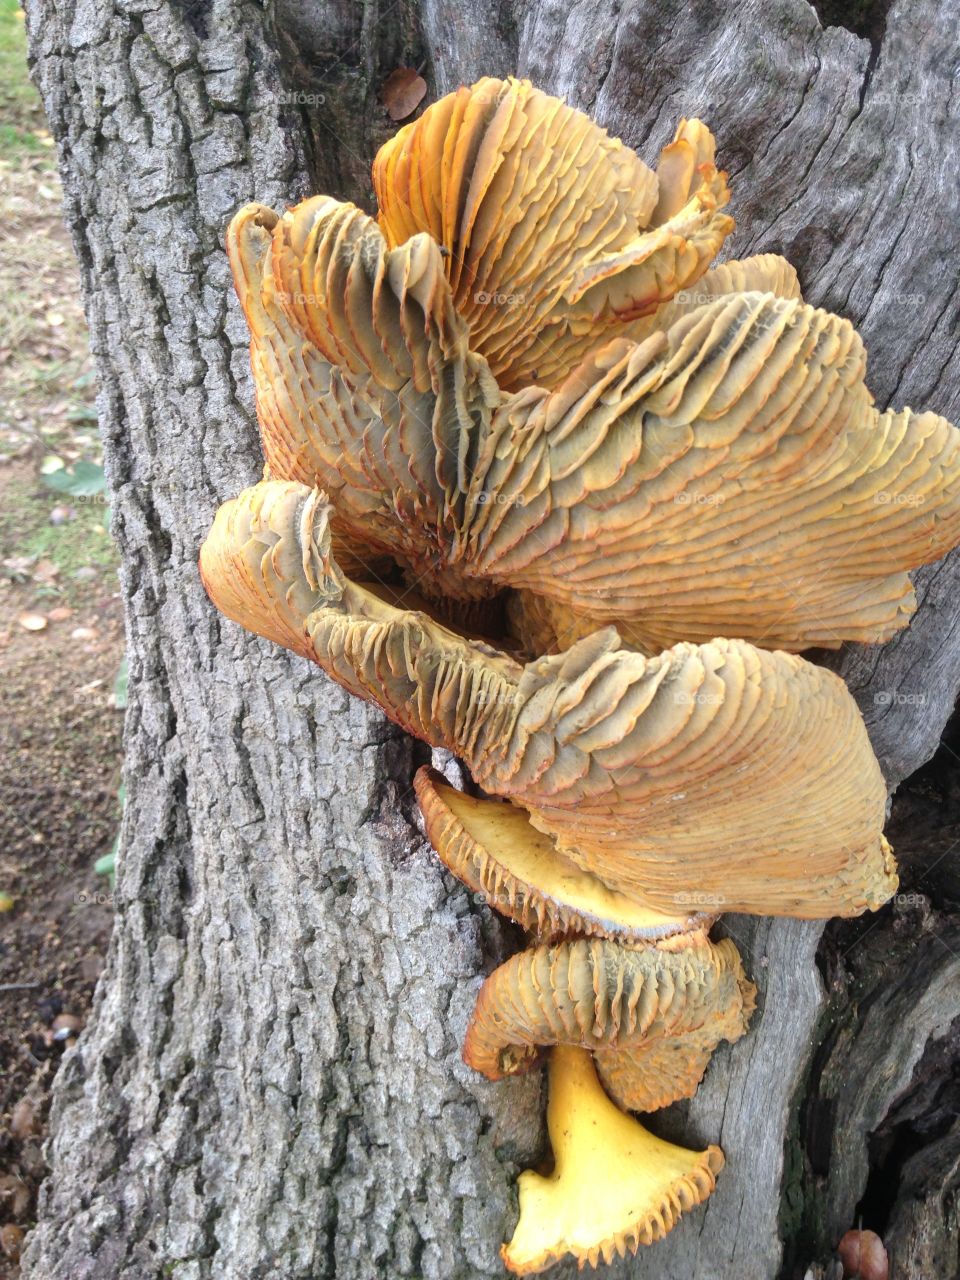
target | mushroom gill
[
  {"x": 652, "y": 1013},
  {"x": 694, "y": 459},
  {"x": 554, "y": 234},
  {"x": 717, "y": 776},
  {"x": 614, "y": 1185},
  {"x": 492, "y": 848}
]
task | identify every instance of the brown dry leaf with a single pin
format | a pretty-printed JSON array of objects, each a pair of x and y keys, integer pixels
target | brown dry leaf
[
  {"x": 46, "y": 570},
  {"x": 61, "y": 613},
  {"x": 23, "y": 1119},
  {"x": 11, "y": 1241},
  {"x": 32, "y": 621},
  {"x": 402, "y": 92}
]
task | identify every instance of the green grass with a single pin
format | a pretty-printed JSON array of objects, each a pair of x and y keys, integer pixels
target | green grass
[
  {"x": 23, "y": 127},
  {"x": 25, "y": 530}
]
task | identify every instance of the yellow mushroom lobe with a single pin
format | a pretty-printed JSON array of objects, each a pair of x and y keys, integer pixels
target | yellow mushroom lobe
[{"x": 614, "y": 1185}]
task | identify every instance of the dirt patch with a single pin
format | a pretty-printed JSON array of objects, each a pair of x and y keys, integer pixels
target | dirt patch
[
  {"x": 60, "y": 648},
  {"x": 60, "y": 739}
]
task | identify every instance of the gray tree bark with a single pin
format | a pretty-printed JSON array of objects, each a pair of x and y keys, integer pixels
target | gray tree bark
[{"x": 270, "y": 1085}]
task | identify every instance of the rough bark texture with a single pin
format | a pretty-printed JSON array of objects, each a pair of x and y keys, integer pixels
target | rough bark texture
[{"x": 271, "y": 1085}]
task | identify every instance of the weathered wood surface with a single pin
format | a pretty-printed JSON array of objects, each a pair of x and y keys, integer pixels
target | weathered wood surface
[{"x": 270, "y": 1085}]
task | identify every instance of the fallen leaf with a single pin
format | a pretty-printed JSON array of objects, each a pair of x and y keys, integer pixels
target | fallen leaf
[
  {"x": 7, "y": 902},
  {"x": 83, "y": 633},
  {"x": 60, "y": 514},
  {"x": 45, "y": 570},
  {"x": 402, "y": 92},
  {"x": 22, "y": 1119},
  {"x": 54, "y": 319},
  {"x": 61, "y": 613},
  {"x": 32, "y": 621},
  {"x": 11, "y": 1241}
]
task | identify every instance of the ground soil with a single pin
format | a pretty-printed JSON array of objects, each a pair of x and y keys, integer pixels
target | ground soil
[
  {"x": 60, "y": 743},
  {"x": 60, "y": 726}
]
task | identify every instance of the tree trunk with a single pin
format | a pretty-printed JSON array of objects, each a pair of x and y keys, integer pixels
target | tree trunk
[{"x": 271, "y": 1085}]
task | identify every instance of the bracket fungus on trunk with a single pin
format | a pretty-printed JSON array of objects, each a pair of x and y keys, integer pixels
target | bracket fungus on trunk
[
  {"x": 563, "y": 455},
  {"x": 524, "y": 382},
  {"x": 718, "y": 774},
  {"x": 651, "y": 1013}
]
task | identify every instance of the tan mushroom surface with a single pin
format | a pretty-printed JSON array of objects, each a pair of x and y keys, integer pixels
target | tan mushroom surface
[
  {"x": 540, "y": 390},
  {"x": 742, "y": 776},
  {"x": 554, "y": 234},
  {"x": 652, "y": 1013}
]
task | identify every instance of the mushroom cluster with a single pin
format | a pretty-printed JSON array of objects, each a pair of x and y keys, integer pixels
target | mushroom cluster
[{"x": 527, "y": 456}]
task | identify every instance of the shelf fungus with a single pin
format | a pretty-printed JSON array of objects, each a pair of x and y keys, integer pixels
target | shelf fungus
[
  {"x": 712, "y": 777},
  {"x": 528, "y": 455},
  {"x": 524, "y": 387},
  {"x": 651, "y": 1013}
]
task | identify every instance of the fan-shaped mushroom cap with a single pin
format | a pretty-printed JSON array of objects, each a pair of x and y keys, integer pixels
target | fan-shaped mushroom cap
[
  {"x": 491, "y": 846},
  {"x": 554, "y": 233},
  {"x": 652, "y": 1013},
  {"x": 713, "y": 776},
  {"x": 728, "y": 474},
  {"x": 614, "y": 1185}
]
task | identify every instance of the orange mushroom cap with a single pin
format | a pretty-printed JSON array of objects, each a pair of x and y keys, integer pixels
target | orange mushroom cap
[
  {"x": 492, "y": 848},
  {"x": 652, "y": 1013}
]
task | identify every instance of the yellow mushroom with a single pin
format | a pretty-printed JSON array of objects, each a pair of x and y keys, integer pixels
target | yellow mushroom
[
  {"x": 714, "y": 776},
  {"x": 548, "y": 428},
  {"x": 524, "y": 384},
  {"x": 614, "y": 1185}
]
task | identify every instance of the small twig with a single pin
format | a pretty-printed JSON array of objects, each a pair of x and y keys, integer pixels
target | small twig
[{"x": 18, "y": 986}]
